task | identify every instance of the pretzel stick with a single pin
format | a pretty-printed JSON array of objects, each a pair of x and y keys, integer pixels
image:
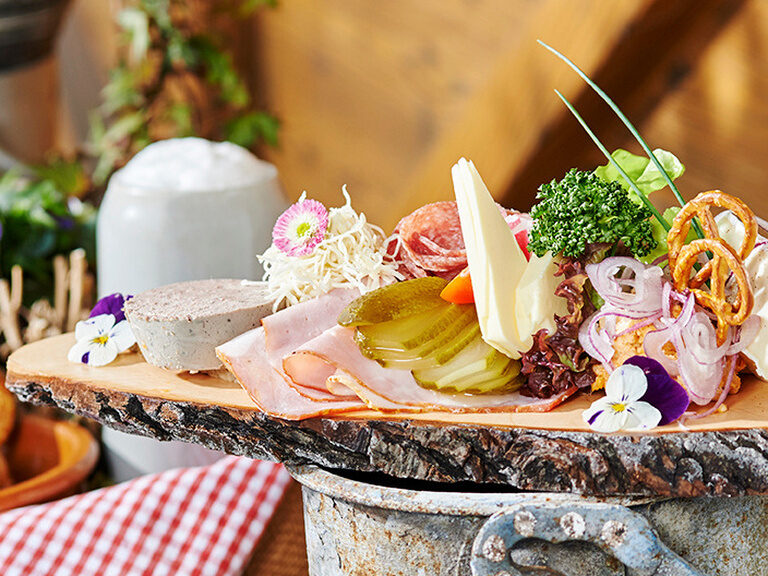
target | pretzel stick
[
  {"x": 77, "y": 267},
  {"x": 60, "y": 290},
  {"x": 9, "y": 318}
]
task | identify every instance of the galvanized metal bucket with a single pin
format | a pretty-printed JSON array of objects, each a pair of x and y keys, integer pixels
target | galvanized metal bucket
[{"x": 357, "y": 528}]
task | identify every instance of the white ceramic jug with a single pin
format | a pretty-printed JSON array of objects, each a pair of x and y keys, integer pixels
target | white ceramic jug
[{"x": 183, "y": 209}]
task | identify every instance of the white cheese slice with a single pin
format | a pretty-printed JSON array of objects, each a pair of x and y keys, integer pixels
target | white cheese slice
[
  {"x": 514, "y": 298},
  {"x": 496, "y": 262},
  {"x": 756, "y": 265},
  {"x": 536, "y": 303}
]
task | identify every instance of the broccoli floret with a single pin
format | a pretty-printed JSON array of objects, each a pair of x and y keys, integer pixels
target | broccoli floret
[{"x": 583, "y": 209}]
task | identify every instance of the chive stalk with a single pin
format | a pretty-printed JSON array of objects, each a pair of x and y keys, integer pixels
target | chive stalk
[
  {"x": 629, "y": 126},
  {"x": 615, "y": 164}
]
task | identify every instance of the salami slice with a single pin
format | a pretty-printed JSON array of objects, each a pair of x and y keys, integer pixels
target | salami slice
[{"x": 429, "y": 242}]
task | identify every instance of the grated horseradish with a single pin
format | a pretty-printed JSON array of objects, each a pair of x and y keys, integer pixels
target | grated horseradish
[{"x": 352, "y": 255}]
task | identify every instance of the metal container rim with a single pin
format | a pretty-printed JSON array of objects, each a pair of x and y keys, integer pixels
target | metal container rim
[{"x": 433, "y": 502}]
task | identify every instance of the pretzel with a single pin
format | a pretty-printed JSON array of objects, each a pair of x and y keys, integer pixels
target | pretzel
[
  {"x": 724, "y": 261},
  {"x": 701, "y": 208}
]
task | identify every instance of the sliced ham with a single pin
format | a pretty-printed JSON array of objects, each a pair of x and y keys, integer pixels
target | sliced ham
[
  {"x": 246, "y": 358},
  {"x": 288, "y": 329},
  {"x": 387, "y": 389},
  {"x": 301, "y": 364}
]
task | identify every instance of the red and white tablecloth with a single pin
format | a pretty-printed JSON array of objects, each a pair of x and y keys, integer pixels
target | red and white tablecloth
[{"x": 190, "y": 521}]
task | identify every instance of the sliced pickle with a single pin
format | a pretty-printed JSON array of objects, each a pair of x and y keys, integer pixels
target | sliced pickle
[
  {"x": 394, "y": 338},
  {"x": 399, "y": 300},
  {"x": 469, "y": 335},
  {"x": 479, "y": 368},
  {"x": 408, "y": 326},
  {"x": 435, "y": 326},
  {"x": 442, "y": 328}
]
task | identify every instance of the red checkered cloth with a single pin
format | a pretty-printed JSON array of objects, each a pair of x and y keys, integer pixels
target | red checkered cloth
[{"x": 196, "y": 521}]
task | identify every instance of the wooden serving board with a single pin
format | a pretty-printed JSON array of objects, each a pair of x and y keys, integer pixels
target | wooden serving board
[{"x": 723, "y": 454}]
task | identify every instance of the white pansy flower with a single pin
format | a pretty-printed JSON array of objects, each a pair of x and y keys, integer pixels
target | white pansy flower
[
  {"x": 621, "y": 408},
  {"x": 100, "y": 340}
]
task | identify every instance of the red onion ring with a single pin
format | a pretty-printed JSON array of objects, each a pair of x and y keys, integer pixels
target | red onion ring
[{"x": 627, "y": 284}]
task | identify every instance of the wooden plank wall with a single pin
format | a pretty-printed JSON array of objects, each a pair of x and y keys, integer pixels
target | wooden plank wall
[
  {"x": 384, "y": 96},
  {"x": 717, "y": 119}
]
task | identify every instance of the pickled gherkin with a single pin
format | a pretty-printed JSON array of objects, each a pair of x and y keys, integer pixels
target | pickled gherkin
[{"x": 408, "y": 326}]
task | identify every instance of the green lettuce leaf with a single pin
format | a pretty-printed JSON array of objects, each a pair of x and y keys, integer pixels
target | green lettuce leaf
[
  {"x": 660, "y": 235},
  {"x": 641, "y": 170}
]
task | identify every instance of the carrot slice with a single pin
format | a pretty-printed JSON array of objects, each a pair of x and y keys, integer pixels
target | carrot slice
[{"x": 459, "y": 290}]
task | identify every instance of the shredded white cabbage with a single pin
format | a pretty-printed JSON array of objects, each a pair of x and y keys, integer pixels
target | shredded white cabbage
[{"x": 352, "y": 255}]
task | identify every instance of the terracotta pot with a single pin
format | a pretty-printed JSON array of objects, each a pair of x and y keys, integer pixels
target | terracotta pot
[{"x": 48, "y": 460}]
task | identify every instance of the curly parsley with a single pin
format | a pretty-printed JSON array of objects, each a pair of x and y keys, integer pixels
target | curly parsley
[{"x": 583, "y": 209}]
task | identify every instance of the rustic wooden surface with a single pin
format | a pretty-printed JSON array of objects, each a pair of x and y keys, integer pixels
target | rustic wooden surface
[{"x": 135, "y": 397}]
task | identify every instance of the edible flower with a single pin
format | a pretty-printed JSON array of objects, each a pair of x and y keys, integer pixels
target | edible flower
[
  {"x": 663, "y": 392},
  {"x": 112, "y": 304},
  {"x": 104, "y": 335},
  {"x": 621, "y": 408},
  {"x": 301, "y": 228},
  {"x": 640, "y": 395},
  {"x": 346, "y": 251}
]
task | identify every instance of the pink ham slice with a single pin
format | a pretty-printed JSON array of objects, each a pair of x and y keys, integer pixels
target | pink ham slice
[
  {"x": 246, "y": 358},
  {"x": 386, "y": 389},
  {"x": 301, "y": 364},
  {"x": 291, "y": 327}
]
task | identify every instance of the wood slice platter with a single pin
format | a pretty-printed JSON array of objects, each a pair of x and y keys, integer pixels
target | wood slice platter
[{"x": 724, "y": 454}]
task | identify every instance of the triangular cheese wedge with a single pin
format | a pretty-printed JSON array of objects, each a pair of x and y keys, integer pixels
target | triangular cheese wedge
[{"x": 496, "y": 262}]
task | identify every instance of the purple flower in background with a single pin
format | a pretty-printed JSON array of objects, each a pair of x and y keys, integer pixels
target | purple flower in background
[
  {"x": 112, "y": 304},
  {"x": 663, "y": 392},
  {"x": 65, "y": 222}
]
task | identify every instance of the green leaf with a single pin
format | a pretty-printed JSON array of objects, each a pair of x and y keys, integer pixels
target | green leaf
[
  {"x": 181, "y": 116},
  {"x": 121, "y": 91},
  {"x": 643, "y": 172},
  {"x": 652, "y": 179},
  {"x": 633, "y": 165},
  {"x": 248, "y": 7},
  {"x": 69, "y": 176},
  {"x": 38, "y": 222},
  {"x": 135, "y": 23},
  {"x": 660, "y": 235},
  {"x": 248, "y": 129}
]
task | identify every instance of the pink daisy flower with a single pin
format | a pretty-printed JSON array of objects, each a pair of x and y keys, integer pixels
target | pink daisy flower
[{"x": 300, "y": 228}]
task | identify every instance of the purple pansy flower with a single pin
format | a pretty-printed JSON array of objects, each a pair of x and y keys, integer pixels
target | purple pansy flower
[
  {"x": 112, "y": 304},
  {"x": 639, "y": 395},
  {"x": 100, "y": 339},
  {"x": 663, "y": 392}
]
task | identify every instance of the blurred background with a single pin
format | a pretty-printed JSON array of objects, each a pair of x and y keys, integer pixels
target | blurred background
[{"x": 385, "y": 96}]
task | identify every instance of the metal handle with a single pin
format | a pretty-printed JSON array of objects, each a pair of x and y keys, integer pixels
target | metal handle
[{"x": 622, "y": 533}]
